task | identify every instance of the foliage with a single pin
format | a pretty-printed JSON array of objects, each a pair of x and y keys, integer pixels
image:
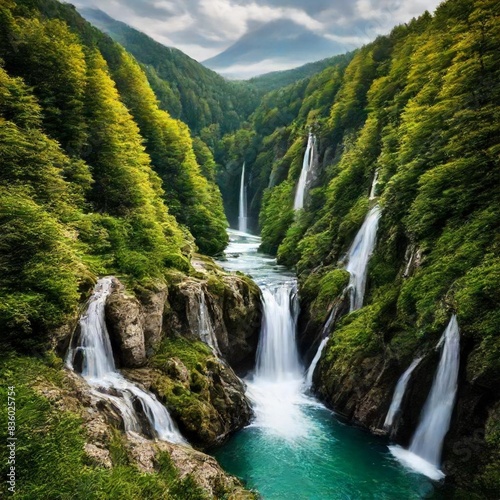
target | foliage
[
  {"x": 195, "y": 94},
  {"x": 81, "y": 193}
]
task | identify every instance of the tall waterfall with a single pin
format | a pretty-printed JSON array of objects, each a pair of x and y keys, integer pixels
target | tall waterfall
[
  {"x": 426, "y": 446},
  {"x": 359, "y": 256},
  {"x": 276, "y": 388},
  {"x": 205, "y": 327},
  {"x": 242, "y": 216},
  {"x": 277, "y": 356},
  {"x": 399, "y": 392},
  {"x": 306, "y": 166},
  {"x": 436, "y": 414},
  {"x": 98, "y": 368}
]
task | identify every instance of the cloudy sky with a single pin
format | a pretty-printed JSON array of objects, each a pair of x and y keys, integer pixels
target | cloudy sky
[{"x": 204, "y": 28}]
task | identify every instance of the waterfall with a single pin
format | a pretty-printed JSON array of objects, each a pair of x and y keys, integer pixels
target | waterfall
[
  {"x": 359, "y": 256},
  {"x": 314, "y": 362},
  {"x": 426, "y": 446},
  {"x": 306, "y": 166},
  {"x": 242, "y": 216},
  {"x": 205, "y": 327},
  {"x": 436, "y": 414},
  {"x": 277, "y": 355},
  {"x": 399, "y": 392},
  {"x": 276, "y": 387},
  {"x": 98, "y": 368},
  {"x": 373, "y": 191}
]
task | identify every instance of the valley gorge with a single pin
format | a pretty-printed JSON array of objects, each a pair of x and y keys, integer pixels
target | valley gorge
[{"x": 234, "y": 290}]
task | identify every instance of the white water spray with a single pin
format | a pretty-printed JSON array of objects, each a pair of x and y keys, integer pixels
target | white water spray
[
  {"x": 399, "y": 393},
  {"x": 359, "y": 256},
  {"x": 242, "y": 216},
  {"x": 99, "y": 370},
  {"x": 276, "y": 388},
  {"x": 426, "y": 446},
  {"x": 306, "y": 167}
]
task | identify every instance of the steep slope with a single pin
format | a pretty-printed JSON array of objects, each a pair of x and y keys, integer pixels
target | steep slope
[
  {"x": 281, "y": 42},
  {"x": 417, "y": 110},
  {"x": 168, "y": 142},
  {"x": 82, "y": 196},
  {"x": 193, "y": 93}
]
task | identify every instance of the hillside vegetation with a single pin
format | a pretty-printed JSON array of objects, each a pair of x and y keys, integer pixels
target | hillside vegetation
[
  {"x": 185, "y": 88},
  {"x": 421, "y": 108},
  {"x": 93, "y": 171}
]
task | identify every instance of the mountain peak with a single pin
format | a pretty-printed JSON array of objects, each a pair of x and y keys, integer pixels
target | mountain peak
[{"x": 276, "y": 45}]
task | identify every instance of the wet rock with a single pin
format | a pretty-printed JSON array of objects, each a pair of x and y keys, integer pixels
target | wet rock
[
  {"x": 207, "y": 403},
  {"x": 234, "y": 307},
  {"x": 204, "y": 469},
  {"x": 124, "y": 319},
  {"x": 153, "y": 308}
]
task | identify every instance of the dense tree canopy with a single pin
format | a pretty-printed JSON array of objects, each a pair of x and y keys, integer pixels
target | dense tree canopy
[{"x": 95, "y": 177}]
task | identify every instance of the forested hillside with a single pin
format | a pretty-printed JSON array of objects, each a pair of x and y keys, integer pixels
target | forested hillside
[
  {"x": 278, "y": 79},
  {"x": 208, "y": 103},
  {"x": 92, "y": 170},
  {"x": 418, "y": 109}
]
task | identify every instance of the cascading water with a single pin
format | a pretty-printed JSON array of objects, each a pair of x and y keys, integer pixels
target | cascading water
[
  {"x": 98, "y": 368},
  {"x": 277, "y": 356},
  {"x": 295, "y": 448},
  {"x": 373, "y": 190},
  {"x": 314, "y": 362},
  {"x": 425, "y": 449},
  {"x": 205, "y": 327},
  {"x": 276, "y": 386},
  {"x": 306, "y": 166},
  {"x": 359, "y": 256},
  {"x": 399, "y": 393},
  {"x": 242, "y": 216}
]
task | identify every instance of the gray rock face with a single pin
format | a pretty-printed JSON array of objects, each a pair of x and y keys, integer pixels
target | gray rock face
[
  {"x": 235, "y": 313},
  {"x": 135, "y": 326},
  {"x": 125, "y": 320}
]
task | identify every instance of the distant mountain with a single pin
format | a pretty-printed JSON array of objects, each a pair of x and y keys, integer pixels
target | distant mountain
[
  {"x": 187, "y": 89},
  {"x": 276, "y": 45}
]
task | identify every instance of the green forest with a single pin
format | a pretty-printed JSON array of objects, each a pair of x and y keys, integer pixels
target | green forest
[{"x": 119, "y": 156}]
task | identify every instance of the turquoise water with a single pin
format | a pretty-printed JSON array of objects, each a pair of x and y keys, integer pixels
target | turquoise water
[
  {"x": 296, "y": 449},
  {"x": 334, "y": 461}
]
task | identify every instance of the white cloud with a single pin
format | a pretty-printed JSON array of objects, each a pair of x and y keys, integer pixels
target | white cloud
[
  {"x": 245, "y": 71},
  {"x": 231, "y": 20}
]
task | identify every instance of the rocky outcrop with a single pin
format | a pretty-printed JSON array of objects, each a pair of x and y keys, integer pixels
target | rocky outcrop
[
  {"x": 156, "y": 336},
  {"x": 76, "y": 397},
  {"x": 234, "y": 308},
  {"x": 208, "y": 401},
  {"x": 204, "y": 469},
  {"x": 242, "y": 317},
  {"x": 125, "y": 318},
  {"x": 135, "y": 323}
]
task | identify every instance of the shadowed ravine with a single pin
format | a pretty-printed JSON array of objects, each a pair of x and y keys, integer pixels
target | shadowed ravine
[{"x": 296, "y": 448}]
